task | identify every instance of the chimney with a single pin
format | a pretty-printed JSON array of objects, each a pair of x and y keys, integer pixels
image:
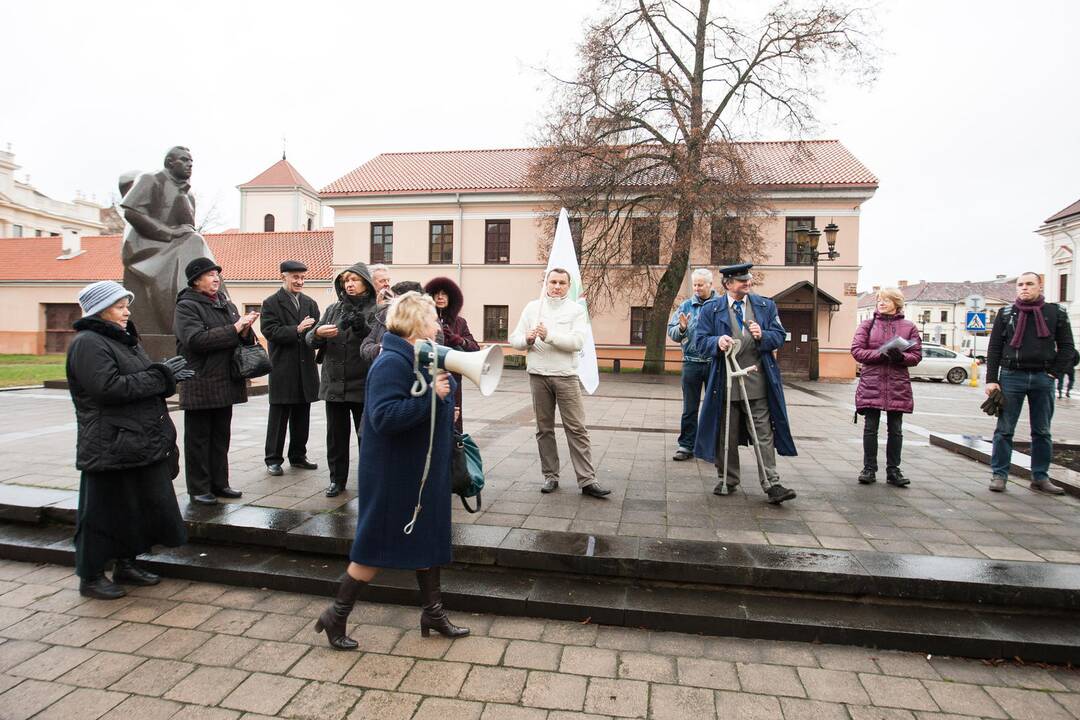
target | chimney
[
  {"x": 70, "y": 244},
  {"x": 901, "y": 283}
]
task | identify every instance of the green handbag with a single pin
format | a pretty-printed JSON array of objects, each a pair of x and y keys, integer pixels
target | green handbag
[{"x": 467, "y": 471}]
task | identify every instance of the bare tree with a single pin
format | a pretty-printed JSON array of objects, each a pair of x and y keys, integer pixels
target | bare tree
[
  {"x": 207, "y": 216},
  {"x": 642, "y": 142}
]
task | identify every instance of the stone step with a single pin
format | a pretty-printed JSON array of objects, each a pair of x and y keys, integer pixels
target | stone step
[
  {"x": 934, "y": 628},
  {"x": 843, "y": 572}
]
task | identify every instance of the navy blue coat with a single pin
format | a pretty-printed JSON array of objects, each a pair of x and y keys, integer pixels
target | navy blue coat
[
  {"x": 393, "y": 447},
  {"x": 712, "y": 323}
]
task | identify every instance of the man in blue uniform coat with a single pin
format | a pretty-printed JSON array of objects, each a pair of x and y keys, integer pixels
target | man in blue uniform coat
[{"x": 754, "y": 321}]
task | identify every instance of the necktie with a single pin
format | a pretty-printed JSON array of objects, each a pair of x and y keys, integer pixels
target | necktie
[{"x": 738, "y": 314}]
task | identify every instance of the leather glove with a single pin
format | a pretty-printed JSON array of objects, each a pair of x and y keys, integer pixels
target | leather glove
[
  {"x": 175, "y": 364},
  {"x": 994, "y": 403},
  {"x": 182, "y": 375},
  {"x": 895, "y": 356}
]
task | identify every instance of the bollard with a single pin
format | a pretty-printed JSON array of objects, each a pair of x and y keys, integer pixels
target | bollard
[
  {"x": 974, "y": 372},
  {"x": 616, "y": 366}
]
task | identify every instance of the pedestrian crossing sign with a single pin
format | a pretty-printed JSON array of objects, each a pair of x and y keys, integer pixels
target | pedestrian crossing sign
[{"x": 976, "y": 321}]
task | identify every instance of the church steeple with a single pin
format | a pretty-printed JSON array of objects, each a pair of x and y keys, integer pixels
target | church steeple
[{"x": 279, "y": 199}]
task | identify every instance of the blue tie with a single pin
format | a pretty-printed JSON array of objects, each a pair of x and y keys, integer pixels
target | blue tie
[{"x": 738, "y": 314}]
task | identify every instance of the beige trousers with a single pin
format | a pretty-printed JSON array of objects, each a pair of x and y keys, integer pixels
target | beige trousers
[{"x": 549, "y": 391}]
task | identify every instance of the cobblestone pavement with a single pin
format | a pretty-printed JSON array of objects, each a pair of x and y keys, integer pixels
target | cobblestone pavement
[
  {"x": 190, "y": 651},
  {"x": 947, "y": 510}
]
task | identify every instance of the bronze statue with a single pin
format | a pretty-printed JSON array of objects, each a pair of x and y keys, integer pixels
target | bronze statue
[{"x": 161, "y": 241}]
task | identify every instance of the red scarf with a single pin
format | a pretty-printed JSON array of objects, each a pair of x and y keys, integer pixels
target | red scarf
[{"x": 1023, "y": 308}]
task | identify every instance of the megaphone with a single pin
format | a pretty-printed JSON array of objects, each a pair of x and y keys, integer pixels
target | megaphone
[{"x": 483, "y": 367}]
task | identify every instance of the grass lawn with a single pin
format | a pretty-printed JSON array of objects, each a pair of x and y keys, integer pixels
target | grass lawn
[{"x": 16, "y": 370}]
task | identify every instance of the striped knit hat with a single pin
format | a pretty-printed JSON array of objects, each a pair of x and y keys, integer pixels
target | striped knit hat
[{"x": 95, "y": 297}]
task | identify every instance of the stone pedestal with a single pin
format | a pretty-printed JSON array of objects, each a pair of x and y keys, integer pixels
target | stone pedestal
[{"x": 158, "y": 347}]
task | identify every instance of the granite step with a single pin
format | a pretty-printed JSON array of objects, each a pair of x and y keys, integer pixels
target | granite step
[{"x": 934, "y": 628}]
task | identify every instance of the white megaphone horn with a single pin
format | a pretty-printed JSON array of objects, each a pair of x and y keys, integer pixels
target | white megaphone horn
[{"x": 483, "y": 367}]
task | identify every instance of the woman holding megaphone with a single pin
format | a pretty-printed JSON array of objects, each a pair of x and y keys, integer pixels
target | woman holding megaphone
[{"x": 394, "y": 454}]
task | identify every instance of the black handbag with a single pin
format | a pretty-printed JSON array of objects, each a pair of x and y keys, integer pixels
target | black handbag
[
  {"x": 466, "y": 471},
  {"x": 250, "y": 361}
]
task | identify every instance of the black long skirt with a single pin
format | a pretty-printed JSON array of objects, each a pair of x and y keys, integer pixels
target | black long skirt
[{"x": 124, "y": 513}]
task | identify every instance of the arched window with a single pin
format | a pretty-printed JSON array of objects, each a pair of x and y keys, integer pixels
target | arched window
[
  {"x": 310, "y": 223},
  {"x": 268, "y": 223}
]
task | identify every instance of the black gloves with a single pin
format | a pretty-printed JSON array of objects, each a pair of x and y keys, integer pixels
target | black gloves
[
  {"x": 994, "y": 403},
  {"x": 179, "y": 369},
  {"x": 895, "y": 356}
]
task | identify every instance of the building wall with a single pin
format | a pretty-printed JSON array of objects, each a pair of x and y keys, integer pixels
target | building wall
[
  {"x": 37, "y": 214},
  {"x": 1061, "y": 251},
  {"x": 518, "y": 282},
  {"x": 290, "y": 208}
]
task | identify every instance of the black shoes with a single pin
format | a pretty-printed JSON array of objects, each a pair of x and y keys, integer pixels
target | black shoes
[
  {"x": 682, "y": 454},
  {"x": 432, "y": 615},
  {"x": 897, "y": 479},
  {"x": 126, "y": 572},
  {"x": 594, "y": 489},
  {"x": 204, "y": 499},
  {"x": 731, "y": 487},
  {"x": 303, "y": 464},
  {"x": 778, "y": 494},
  {"x": 101, "y": 588},
  {"x": 335, "y": 618},
  {"x": 274, "y": 470},
  {"x": 334, "y": 490},
  {"x": 867, "y": 477},
  {"x": 228, "y": 492},
  {"x": 549, "y": 486}
]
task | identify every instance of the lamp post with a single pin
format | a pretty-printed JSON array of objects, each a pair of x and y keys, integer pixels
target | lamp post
[{"x": 807, "y": 241}]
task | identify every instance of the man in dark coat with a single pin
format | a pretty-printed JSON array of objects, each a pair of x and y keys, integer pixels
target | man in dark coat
[
  {"x": 294, "y": 382},
  {"x": 1031, "y": 345},
  {"x": 754, "y": 321},
  {"x": 208, "y": 331}
]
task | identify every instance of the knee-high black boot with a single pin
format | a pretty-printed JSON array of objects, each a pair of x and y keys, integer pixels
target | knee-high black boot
[
  {"x": 334, "y": 619},
  {"x": 433, "y": 616}
]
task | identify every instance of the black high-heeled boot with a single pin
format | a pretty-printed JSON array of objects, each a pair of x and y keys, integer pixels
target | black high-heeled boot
[
  {"x": 334, "y": 619},
  {"x": 433, "y": 616}
]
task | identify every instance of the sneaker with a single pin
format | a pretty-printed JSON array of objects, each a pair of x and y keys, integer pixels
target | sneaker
[
  {"x": 778, "y": 494},
  {"x": 867, "y": 476},
  {"x": 682, "y": 454},
  {"x": 1046, "y": 487},
  {"x": 998, "y": 483},
  {"x": 897, "y": 478}
]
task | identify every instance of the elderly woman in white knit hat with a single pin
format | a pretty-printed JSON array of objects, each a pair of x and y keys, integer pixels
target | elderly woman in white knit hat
[{"x": 126, "y": 447}]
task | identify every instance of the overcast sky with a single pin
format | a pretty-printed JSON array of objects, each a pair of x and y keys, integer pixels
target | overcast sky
[{"x": 971, "y": 128}]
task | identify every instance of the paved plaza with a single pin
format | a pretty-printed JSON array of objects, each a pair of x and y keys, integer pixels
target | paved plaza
[
  {"x": 198, "y": 651},
  {"x": 633, "y": 421}
]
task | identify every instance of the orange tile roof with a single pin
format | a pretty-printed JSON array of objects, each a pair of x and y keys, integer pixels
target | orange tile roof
[
  {"x": 244, "y": 256},
  {"x": 774, "y": 164},
  {"x": 280, "y": 174}
]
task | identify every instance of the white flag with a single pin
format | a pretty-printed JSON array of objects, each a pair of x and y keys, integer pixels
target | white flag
[{"x": 563, "y": 256}]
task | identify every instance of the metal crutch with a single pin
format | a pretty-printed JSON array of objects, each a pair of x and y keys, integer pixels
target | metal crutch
[{"x": 734, "y": 371}]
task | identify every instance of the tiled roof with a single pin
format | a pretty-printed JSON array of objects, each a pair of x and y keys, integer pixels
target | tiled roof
[
  {"x": 244, "y": 256},
  {"x": 1073, "y": 209},
  {"x": 773, "y": 164},
  {"x": 950, "y": 292},
  {"x": 280, "y": 174}
]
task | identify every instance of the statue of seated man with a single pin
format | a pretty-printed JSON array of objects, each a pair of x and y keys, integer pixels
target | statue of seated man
[{"x": 161, "y": 240}]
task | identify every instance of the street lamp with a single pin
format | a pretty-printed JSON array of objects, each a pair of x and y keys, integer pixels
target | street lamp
[{"x": 807, "y": 241}]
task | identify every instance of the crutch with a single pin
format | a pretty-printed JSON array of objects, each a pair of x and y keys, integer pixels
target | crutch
[{"x": 734, "y": 371}]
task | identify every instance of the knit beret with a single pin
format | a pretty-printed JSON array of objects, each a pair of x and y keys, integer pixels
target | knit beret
[{"x": 95, "y": 297}]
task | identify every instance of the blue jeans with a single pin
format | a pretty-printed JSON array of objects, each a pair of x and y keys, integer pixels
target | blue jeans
[
  {"x": 1038, "y": 388},
  {"x": 694, "y": 377}
]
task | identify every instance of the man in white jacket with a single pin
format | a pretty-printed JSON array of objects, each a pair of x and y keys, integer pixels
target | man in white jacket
[{"x": 552, "y": 330}]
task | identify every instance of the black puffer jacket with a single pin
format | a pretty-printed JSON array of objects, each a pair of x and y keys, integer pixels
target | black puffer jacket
[
  {"x": 205, "y": 335},
  {"x": 1052, "y": 354},
  {"x": 119, "y": 398},
  {"x": 344, "y": 369}
]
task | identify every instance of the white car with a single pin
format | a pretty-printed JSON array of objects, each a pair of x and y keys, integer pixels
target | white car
[{"x": 940, "y": 363}]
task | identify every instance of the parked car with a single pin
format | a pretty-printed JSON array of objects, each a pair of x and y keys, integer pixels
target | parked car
[
  {"x": 939, "y": 363},
  {"x": 975, "y": 346}
]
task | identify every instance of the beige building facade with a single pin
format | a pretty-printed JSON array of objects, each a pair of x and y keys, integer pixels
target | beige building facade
[{"x": 27, "y": 212}]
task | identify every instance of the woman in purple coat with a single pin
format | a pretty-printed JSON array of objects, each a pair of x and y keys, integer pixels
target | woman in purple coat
[
  {"x": 884, "y": 383},
  {"x": 448, "y": 303}
]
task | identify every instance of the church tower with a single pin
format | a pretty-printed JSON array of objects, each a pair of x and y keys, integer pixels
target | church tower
[{"x": 279, "y": 199}]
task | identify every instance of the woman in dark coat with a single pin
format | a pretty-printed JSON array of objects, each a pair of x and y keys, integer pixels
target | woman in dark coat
[
  {"x": 393, "y": 452},
  {"x": 448, "y": 302},
  {"x": 126, "y": 446},
  {"x": 208, "y": 330},
  {"x": 884, "y": 383},
  {"x": 337, "y": 337}
]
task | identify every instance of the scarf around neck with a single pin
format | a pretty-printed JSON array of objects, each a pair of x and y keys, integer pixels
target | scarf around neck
[{"x": 1023, "y": 308}]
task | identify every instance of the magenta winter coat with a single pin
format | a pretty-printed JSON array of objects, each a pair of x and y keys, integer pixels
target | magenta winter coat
[{"x": 882, "y": 385}]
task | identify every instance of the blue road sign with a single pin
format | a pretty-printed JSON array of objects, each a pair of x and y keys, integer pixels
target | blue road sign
[{"x": 976, "y": 321}]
